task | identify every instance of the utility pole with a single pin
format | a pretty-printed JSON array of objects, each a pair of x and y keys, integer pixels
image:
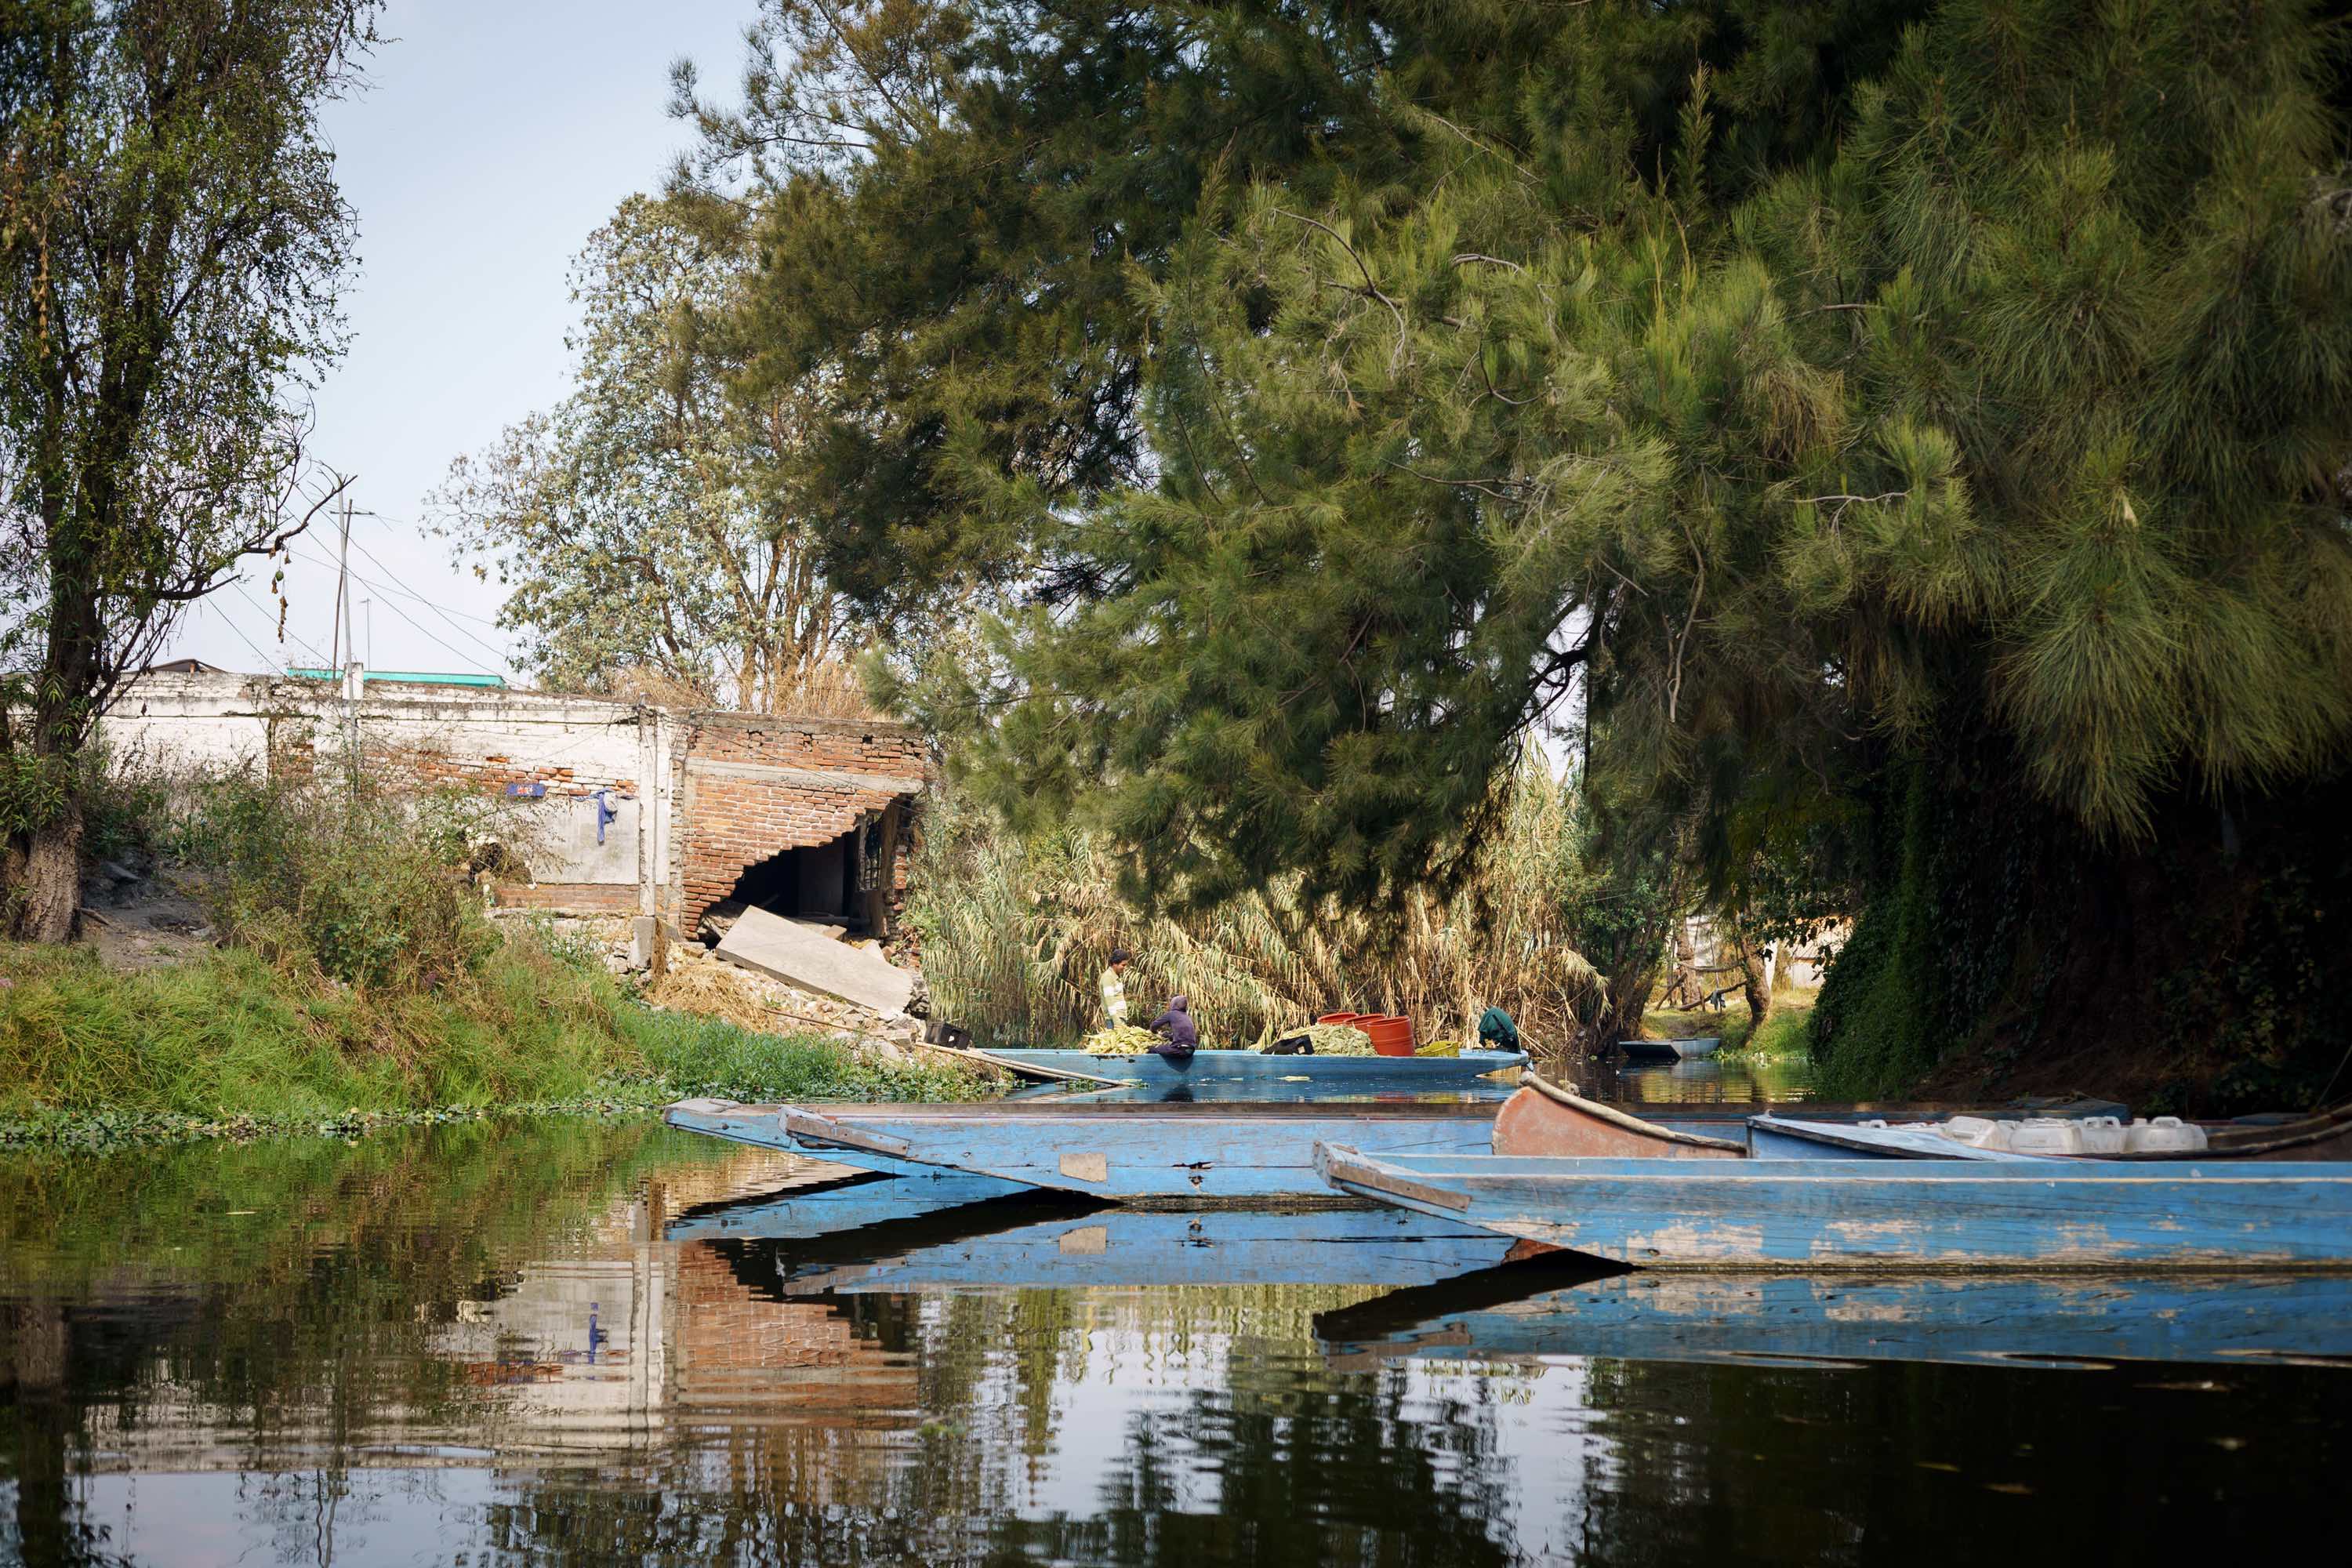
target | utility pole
[
  {"x": 368, "y": 656},
  {"x": 344, "y": 657},
  {"x": 343, "y": 571}
]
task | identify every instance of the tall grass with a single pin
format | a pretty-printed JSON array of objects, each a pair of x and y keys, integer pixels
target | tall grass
[
  {"x": 232, "y": 1037},
  {"x": 359, "y": 973},
  {"x": 1015, "y": 933}
]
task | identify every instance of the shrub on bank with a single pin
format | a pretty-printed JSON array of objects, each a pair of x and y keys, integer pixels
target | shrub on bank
[
  {"x": 231, "y": 1041},
  {"x": 365, "y": 885}
]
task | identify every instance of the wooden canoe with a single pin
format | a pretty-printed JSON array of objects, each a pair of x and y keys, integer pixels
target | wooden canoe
[
  {"x": 1140, "y": 1153},
  {"x": 1916, "y": 1215},
  {"x": 1672, "y": 1050},
  {"x": 1785, "y": 1320},
  {"x": 1349, "y": 1074},
  {"x": 1786, "y": 1137},
  {"x": 854, "y": 1203},
  {"x": 762, "y": 1127},
  {"x": 1128, "y": 1247},
  {"x": 2323, "y": 1137},
  {"x": 1545, "y": 1120}
]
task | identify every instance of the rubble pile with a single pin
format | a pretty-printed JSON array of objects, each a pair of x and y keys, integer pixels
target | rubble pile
[{"x": 700, "y": 982}]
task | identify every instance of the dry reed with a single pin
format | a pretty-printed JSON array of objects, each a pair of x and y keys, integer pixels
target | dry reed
[{"x": 1015, "y": 933}]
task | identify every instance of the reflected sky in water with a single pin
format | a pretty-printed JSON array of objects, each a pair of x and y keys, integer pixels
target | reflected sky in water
[{"x": 475, "y": 1346}]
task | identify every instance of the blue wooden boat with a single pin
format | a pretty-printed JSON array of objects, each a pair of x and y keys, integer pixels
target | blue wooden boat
[
  {"x": 1781, "y": 1319},
  {"x": 1781, "y": 1138},
  {"x": 2324, "y": 1137},
  {"x": 1124, "y": 1248},
  {"x": 852, "y": 1204},
  {"x": 1927, "y": 1214},
  {"x": 1262, "y": 1092},
  {"x": 1351, "y": 1074},
  {"x": 1672, "y": 1050},
  {"x": 761, "y": 1126},
  {"x": 1134, "y": 1152}
]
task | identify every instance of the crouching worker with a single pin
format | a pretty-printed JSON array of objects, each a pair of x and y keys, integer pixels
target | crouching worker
[{"x": 1176, "y": 1024}]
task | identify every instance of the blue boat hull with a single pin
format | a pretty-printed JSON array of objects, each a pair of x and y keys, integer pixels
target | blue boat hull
[
  {"x": 1916, "y": 1215},
  {"x": 852, "y": 1205},
  {"x": 2039, "y": 1319},
  {"x": 1352, "y": 1074},
  {"x": 761, "y": 1126},
  {"x": 1120, "y": 1247},
  {"x": 1128, "y": 1154}
]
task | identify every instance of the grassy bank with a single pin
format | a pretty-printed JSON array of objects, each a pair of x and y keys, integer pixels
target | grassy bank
[
  {"x": 1787, "y": 1034},
  {"x": 358, "y": 982},
  {"x": 230, "y": 1043}
]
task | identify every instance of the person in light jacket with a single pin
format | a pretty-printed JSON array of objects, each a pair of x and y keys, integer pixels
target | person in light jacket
[
  {"x": 1176, "y": 1023},
  {"x": 1114, "y": 989}
]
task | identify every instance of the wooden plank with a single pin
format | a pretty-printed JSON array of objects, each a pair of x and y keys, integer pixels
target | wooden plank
[
  {"x": 1920, "y": 1214},
  {"x": 1124, "y": 1248},
  {"x": 1774, "y": 1320},
  {"x": 1039, "y": 1072}
]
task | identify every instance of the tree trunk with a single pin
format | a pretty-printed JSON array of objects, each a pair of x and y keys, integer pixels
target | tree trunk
[
  {"x": 45, "y": 892},
  {"x": 1756, "y": 980}
]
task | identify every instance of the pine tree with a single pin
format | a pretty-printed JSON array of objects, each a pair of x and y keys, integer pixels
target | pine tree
[{"x": 1907, "y": 442}]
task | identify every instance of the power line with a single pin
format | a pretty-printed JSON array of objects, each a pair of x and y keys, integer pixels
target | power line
[
  {"x": 421, "y": 598},
  {"x": 257, "y": 651},
  {"x": 498, "y": 654},
  {"x": 300, "y": 645},
  {"x": 394, "y": 606}
]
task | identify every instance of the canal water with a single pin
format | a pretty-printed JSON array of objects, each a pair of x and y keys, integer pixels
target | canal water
[{"x": 595, "y": 1343}]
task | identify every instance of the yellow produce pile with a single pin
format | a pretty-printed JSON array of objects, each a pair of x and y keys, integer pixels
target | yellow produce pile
[
  {"x": 1120, "y": 1040},
  {"x": 1336, "y": 1039},
  {"x": 1440, "y": 1049}
]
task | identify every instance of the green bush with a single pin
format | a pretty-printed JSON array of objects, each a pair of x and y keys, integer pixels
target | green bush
[
  {"x": 230, "y": 1042},
  {"x": 363, "y": 885}
]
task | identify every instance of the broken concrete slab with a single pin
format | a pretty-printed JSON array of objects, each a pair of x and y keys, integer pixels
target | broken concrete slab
[
  {"x": 768, "y": 943},
  {"x": 720, "y": 918}
]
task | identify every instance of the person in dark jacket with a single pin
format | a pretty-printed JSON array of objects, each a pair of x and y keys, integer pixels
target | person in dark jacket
[
  {"x": 1496, "y": 1031},
  {"x": 1176, "y": 1023}
]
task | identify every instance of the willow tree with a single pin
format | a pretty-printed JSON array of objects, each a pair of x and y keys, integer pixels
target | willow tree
[
  {"x": 171, "y": 241},
  {"x": 1936, "y": 429}
]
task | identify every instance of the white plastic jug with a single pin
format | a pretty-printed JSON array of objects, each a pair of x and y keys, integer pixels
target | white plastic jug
[
  {"x": 1970, "y": 1129},
  {"x": 2102, "y": 1135},
  {"x": 2165, "y": 1135},
  {"x": 2046, "y": 1135}
]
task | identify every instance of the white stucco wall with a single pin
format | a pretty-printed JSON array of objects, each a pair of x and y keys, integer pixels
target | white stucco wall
[{"x": 572, "y": 746}]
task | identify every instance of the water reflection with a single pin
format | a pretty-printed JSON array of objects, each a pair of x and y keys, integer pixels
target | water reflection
[{"x": 480, "y": 1344}]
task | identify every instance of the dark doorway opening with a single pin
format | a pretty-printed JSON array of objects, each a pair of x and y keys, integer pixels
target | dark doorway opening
[{"x": 815, "y": 882}]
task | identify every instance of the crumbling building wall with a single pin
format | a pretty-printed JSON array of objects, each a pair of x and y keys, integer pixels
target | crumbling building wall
[{"x": 687, "y": 802}]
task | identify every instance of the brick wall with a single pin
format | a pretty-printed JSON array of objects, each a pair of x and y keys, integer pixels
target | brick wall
[
  {"x": 747, "y": 793},
  {"x": 570, "y": 898}
]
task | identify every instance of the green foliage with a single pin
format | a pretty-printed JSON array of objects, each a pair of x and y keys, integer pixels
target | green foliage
[
  {"x": 1015, "y": 931},
  {"x": 1811, "y": 392},
  {"x": 171, "y": 242},
  {"x": 227, "y": 1044},
  {"x": 1877, "y": 1027},
  {"x": 365, "y": 885},
  {"x": 34, "y": 789},
  {"x": 641, "y": 527}
]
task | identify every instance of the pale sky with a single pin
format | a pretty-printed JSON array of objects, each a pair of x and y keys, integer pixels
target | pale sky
[{"x": 494, "y": 137}]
